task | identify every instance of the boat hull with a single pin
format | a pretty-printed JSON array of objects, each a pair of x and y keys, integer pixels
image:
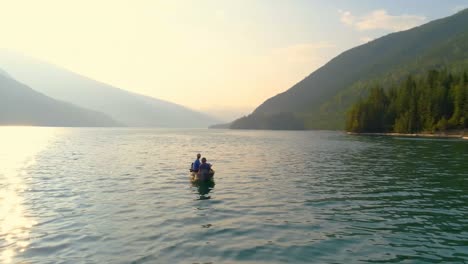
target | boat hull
[{"x": 196, "y": 176}]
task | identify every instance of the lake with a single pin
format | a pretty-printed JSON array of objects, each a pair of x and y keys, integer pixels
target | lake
[{"x": 92, "y": 195}]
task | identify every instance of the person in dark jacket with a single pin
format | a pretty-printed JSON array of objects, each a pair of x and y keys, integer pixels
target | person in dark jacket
[{"x": 204, "y": 172}]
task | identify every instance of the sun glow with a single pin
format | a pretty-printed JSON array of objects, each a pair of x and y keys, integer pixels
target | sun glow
[{"x": 18, "y": 148}]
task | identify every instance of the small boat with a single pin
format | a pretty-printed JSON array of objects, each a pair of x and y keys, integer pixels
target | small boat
[
  {"x": 203, "y": 188},
  {"x": 197, "y": 176}
]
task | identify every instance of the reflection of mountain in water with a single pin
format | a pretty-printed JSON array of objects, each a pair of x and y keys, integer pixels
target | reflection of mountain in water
[{"x": 203, "y": 188}]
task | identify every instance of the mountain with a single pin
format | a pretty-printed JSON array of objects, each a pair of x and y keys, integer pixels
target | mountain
[
  {"x": 21, "y": 105},
  {"x": 4, "y": 73},
  {"x": 125, "y": 107},
  {"x": 321, "y": 100}
]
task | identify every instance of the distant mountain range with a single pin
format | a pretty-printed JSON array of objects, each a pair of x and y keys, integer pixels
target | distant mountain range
[
  {"x": 321, "y": 100},
  {"x": 126, "y": 108},
  {"x": 21, "y": 105},
  {"x": 4, "y": 73}
]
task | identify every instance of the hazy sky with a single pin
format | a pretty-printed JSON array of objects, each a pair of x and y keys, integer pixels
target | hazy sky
[{"x": 205, "y": 54}]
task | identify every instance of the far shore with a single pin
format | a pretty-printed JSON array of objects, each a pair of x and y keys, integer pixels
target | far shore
[{"x": 454, "y": 135}]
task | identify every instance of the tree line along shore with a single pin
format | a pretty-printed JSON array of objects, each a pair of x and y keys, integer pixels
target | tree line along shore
[{"x": 434, "y": 104}]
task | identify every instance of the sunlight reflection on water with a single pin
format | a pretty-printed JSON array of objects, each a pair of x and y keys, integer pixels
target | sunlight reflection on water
[
  {"x": 108, "y": 195},
  {"x": 19, "y": 145}
]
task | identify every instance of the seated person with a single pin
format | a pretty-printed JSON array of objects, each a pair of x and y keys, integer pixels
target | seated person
[
  {"x": 196, "y": 164},
  {"x": 204, "y": 170}
]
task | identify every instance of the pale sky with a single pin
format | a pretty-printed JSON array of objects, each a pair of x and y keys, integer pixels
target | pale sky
[{"x": 225, "y": 57}]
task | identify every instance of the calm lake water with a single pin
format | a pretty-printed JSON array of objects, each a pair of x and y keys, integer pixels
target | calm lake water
[{"x": 124, "y": 196}]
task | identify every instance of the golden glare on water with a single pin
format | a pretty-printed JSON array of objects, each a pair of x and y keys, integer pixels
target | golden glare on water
[{"x": 18, "y": 148}]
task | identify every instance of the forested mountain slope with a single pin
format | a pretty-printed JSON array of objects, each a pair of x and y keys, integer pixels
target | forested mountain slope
[
  {"x": 435, "y": 102},
  {"x": 322, "y": 99}
]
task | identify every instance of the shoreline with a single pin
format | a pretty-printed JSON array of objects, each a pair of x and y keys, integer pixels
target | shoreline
[{"x": 415, "y": 135}]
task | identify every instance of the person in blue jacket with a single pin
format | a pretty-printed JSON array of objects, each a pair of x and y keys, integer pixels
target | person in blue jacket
[{"x": 196, "y": 163}]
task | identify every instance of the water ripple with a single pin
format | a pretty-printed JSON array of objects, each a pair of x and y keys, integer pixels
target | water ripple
[{"x": 123, "y": 196}]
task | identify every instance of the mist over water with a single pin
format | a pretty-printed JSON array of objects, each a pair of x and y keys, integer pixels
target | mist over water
[{"x": 124, "y": 196}]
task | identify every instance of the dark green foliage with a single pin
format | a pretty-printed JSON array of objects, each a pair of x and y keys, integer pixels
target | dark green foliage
[
  {"x": 437, "y": 101},
  {"x": 370, "y": 115}
]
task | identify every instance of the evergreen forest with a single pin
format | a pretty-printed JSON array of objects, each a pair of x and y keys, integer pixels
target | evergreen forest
[{"x": 436, "y": 101}]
